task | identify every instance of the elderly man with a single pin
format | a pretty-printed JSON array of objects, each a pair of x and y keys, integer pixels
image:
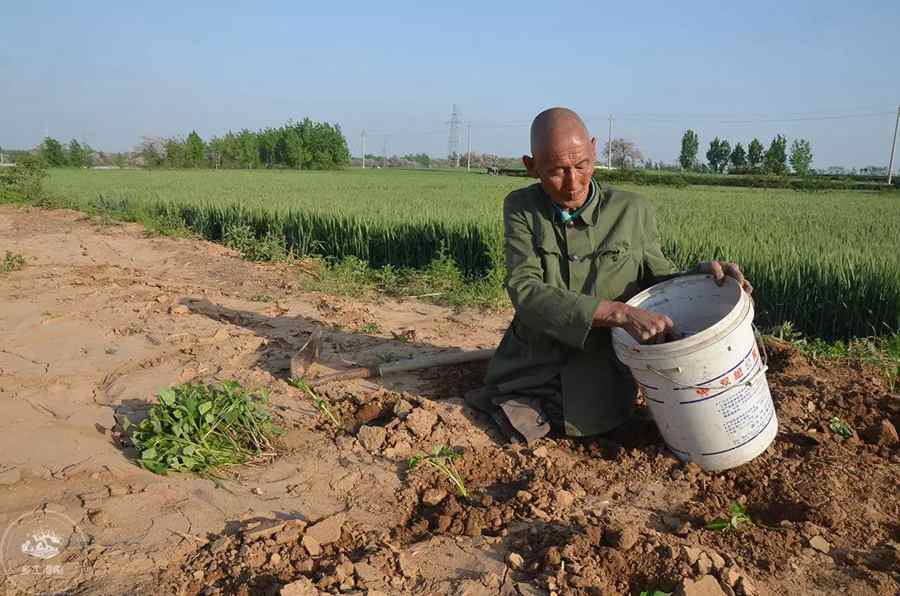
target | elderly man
[{"x": 574, "y": 254}]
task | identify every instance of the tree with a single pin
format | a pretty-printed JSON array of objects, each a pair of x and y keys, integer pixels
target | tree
[
  {"x": 624, "y": 153},
  {"x": 248, "y": 149},
  {"x": 690, "y": 144},
  {"x": 152, "y": 151},
  {"x": 194, "y": 150},
  {"x": 801, "y": 156},
  {"x": 51, "y": 151},
  {"x": 718, "y": 154},
  {"x": 776, "y": 156},
  {"x": 174, "y": 152},
  {"x": 76, "y": 157},
  {"x": 754, "y": 154},
  {"x": 738, "y": 157}
]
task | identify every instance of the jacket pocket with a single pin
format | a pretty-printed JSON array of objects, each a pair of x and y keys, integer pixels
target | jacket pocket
[{"x": 551, "y": 260}]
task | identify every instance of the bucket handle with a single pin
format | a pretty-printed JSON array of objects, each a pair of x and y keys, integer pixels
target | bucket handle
[{"x": 748, "y": 382}]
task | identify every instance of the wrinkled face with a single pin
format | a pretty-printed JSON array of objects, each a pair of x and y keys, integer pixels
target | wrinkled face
[{"x": 565, "y": 165}]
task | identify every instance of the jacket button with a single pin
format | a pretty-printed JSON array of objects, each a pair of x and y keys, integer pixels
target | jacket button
[{"x": 573, "y": 257}]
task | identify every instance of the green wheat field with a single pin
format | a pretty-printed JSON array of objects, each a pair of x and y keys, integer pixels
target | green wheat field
[{"x": 828, "y": 262}]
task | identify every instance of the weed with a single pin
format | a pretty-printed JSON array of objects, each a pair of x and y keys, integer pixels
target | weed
[
  {"x": 261, "y": 298},
  {"x": 199, "y": 428},
  {"x": 655, "y": 593},
  {"x": 242, "y": 238},
  {"x": 838, "y": 426},
  {"x": 738, "y": 517},
  {"x": 12, "y": 262},
  {"x": 442, "y": 460},
  {"x": 320, "y": 402},
  {"x": 881, "y": 352},
  {"x": 371, "y": 328}
]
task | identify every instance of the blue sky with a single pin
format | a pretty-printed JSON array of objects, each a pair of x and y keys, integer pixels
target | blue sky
[{"x": 110, "y": 72}]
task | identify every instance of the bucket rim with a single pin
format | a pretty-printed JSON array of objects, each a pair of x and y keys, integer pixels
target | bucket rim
[{"x": 722, "y": 328}]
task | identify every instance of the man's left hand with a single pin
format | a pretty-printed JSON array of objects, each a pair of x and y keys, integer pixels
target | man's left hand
[{"x": 720, "y": 270}]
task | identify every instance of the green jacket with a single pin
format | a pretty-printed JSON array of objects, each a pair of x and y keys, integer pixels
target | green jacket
[{"x": 557, "y": 274}]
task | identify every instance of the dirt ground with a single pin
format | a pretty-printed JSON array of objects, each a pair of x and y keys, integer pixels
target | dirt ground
[{"x": 103, "y": 317}]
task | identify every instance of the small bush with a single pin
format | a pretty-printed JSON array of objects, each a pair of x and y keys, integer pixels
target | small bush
[
  {"x": 24, "y": 181},
  {"x": 242, "y": 238}
]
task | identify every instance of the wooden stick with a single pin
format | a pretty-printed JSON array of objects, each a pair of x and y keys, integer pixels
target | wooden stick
[{"x": 429, "y": 361}]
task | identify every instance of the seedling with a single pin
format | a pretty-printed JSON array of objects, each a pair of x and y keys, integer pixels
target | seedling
[
  {"x": 320, "y": 402},
  {"x": 655, "y": 593},
  {"x": 12, "y": 262},
  {"x": 198, "y": 428},
  {"x": 840, "y": 427},
  {"x": 739, "y": 517},
  {"x": 442, "y": 460}
]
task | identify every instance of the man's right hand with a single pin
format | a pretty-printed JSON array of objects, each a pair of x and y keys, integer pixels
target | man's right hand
[{"x": 643, "y": 325}]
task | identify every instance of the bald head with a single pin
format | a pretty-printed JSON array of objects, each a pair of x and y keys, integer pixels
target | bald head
[
  {"x": 562, "y": 156},
  {"x": 555, "y": 127}
]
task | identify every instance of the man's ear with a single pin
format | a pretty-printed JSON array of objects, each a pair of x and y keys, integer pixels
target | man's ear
[
  {"x": 528, "y": 161},
  {"x": 594, "y": 149}
]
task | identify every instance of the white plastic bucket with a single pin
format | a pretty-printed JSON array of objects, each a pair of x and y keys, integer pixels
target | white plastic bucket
[{"x": 707, "y": 392}]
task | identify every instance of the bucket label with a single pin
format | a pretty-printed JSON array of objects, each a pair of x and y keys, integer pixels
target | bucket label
[{"x": 746, "y": 412}]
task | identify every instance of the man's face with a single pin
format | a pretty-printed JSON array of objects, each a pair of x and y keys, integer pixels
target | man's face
[{"x": 565, "y": 166}]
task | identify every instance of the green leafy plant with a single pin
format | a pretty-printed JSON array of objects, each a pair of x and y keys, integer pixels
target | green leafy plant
[
  {"x": 200, "y": 428},
  {"x": 838, "y": 426},
  {"x": 372, "y": 328},
  {"x": 320, "y": 402},
  {"x": 12, "y": 262},
  {"x": 655, "y": 593},
  {"x": 738, "y": 517},
  {"x": 442, "y": 460}
]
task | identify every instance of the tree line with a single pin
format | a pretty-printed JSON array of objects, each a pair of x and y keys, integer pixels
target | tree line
[
  {"x": 75, "y": 154},
  {"x": 301, "y": 145},
  {"x": 305, "y": 145},
  {"x": 755, "y": 159}
]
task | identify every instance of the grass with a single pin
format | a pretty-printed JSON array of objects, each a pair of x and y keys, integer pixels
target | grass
[
  {"x": 201, "y": 429},
  {"x": 12, "y": 262},
  {"x": 441, "y": 459},
  {"x": 320, "y": 402},
  {"x": 827, "y": 261}
]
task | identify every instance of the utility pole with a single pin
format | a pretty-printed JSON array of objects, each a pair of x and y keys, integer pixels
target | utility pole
[
  {"x": 893, "y": 147},
  {"x": 453, "y": 141},
  {"x": 468, "y": 146},
  {"x": 609, "y": 144},
  {"x": 363, "y": 135}
]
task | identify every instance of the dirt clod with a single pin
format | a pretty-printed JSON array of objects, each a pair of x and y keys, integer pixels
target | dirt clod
[
  {"x": 882, "y": 433},
  {"x": 371, "y": 437},
  {"x": 420, "y": 422},
  {"x": 704, "y": 586},
  {"x": 433, "y": 496},
  {"x": 515, "y": 560},
  {"x": 820, "y": 544}
]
